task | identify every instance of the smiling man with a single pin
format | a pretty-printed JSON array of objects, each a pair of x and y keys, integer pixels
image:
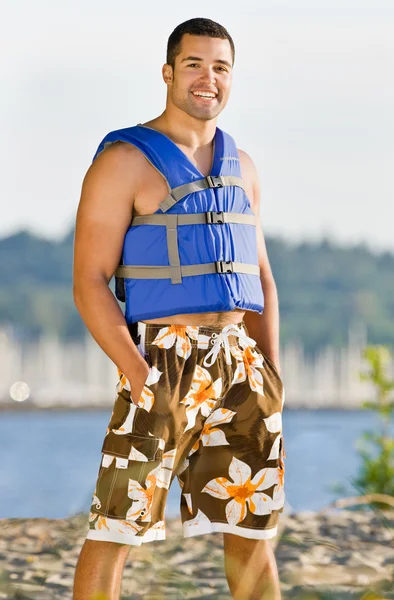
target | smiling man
[{"x": 171, "y": 208}]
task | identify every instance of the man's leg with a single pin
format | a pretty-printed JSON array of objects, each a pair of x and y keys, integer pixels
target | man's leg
[
  {"x": 98, "y": 574},
  {"x": 250, "y": 568},
  {"x": 234, "y": 478},
  {"x": 138, "y": 457}
]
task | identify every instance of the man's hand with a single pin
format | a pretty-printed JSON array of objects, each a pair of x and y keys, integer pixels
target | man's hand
[{"x": 137, "y": 379}]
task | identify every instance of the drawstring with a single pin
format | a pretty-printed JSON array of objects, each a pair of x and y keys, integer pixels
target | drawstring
[{"x": 222, "y": 339}]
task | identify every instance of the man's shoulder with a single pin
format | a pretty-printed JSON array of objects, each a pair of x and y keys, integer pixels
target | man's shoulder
[
  {"x": 244, "y": 156},
  {"x": 118, "y": 146},
  {"x": 248, "y": 167}
]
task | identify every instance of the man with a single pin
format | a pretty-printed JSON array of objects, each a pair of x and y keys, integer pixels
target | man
[{"x": 171, "y": 207}]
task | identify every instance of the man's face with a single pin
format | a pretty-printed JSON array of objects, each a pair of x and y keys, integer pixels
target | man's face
[{"x": 202, "y": 68}]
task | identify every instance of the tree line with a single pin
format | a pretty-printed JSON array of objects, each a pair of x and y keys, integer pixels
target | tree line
[{"x": 323, "y": 289}]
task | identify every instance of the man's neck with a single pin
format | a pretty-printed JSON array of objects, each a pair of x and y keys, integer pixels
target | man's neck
[{"x": 187, "y": 132}]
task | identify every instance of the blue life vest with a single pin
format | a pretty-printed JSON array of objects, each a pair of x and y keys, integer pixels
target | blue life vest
[{"x": 198, "y": 252}]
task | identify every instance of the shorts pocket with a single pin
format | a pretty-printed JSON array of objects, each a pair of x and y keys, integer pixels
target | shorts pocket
[
  {"x": 124, "y": 408},
  {"x": 131, "y": 446},
  {"x": 126, "y": 463}
]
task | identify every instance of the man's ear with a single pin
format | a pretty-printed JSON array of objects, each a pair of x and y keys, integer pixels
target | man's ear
[{"x": 167, "y": 73}]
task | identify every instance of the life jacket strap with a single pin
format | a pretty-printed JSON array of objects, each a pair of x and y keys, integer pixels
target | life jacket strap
[
  {"x": 171, "y": 221},
  {"x": 216, "y": 217},
  {"x": 153, "y": 272},
  {"x": 211, "y": 181}
]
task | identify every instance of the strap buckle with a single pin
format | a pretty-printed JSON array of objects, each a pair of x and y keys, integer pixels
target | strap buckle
[
  {"x": 214, "y": 181},
  {"x": 214, "y": 217},
  {"x": 224, "y": 266}
]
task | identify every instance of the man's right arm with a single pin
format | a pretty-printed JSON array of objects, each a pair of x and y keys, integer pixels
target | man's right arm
[{"x": 103, "y": 217}]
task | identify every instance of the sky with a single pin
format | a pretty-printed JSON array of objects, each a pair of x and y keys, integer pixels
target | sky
[{"x": 311, "y": 102}]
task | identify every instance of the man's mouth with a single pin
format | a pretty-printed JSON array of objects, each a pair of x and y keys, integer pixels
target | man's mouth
[{"x": 203, "y": 95}]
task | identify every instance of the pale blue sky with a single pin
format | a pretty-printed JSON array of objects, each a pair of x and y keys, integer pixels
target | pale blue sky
[{"x": 312, "y": 103}]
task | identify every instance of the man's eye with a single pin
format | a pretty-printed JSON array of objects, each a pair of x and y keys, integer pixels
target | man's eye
[{"x": 193, "y": 65}]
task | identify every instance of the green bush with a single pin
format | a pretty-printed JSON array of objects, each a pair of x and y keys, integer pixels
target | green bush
[{"x": 377, "y": 448}]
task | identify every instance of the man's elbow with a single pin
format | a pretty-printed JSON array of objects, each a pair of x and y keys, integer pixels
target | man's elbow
[{"x": 86, "y": 285}]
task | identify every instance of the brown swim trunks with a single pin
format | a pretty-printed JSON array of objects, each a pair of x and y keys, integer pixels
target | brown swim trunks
[{"x": 210, "y": 413}]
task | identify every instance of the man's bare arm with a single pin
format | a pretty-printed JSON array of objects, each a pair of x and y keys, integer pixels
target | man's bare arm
[
  {"x": 104, "y": 214},
  {"x": 263, "y": 328}
]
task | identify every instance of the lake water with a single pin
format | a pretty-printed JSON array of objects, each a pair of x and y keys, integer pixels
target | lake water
[{"x": 49, "y": 460}]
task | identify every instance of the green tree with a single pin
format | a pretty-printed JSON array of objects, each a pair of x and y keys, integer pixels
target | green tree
[
  {"x": 376, "y": 474},
  {"x": 375, "y": 479}
]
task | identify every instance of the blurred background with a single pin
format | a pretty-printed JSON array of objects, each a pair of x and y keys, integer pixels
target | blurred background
[{"x": 312, "y": 103}]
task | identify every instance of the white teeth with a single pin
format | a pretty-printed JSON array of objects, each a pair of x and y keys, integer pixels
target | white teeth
[{"x": 204, "y": 95}]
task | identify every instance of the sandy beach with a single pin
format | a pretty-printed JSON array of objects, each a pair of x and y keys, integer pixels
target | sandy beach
[{"x": 341, "y": 554}]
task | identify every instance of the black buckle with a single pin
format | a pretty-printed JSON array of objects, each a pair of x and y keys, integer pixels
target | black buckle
[
  {"x": 215, "y": 217},
  {"x": 224, "y": 266},
  {"x": 214, "y": 181}
]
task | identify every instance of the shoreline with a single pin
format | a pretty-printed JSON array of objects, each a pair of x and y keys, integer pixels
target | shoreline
[
  {"x": 339, "y": 554},
  {"x": 18, "y": 407}
]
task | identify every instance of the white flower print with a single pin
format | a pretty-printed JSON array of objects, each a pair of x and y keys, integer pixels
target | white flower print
[
  {"x": 202, "y": 395},
  {"x": 143, "y": 496},
  {"x": 178, "y": 335},
  {"x": 248, "y": 364},
  {"x": 244, "y": 491},
  {"x": 210, "y": 434}
]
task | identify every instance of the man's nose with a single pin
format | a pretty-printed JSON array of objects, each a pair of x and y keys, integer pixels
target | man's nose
[{"x": 209, "y": 75}]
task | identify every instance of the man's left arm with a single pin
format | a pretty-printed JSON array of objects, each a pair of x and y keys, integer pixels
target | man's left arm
[{"x": 263, "y": 328}]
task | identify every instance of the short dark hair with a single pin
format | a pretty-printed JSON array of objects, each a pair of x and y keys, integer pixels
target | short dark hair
[{"x": 197, "y": 26}]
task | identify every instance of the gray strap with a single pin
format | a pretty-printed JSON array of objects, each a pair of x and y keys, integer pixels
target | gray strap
[
  {"x": 216, "y": 217},
  {"x": 151, "y": 272},
  {"x": 172, "y": 246},
  {"x": 210, "y": 181}
]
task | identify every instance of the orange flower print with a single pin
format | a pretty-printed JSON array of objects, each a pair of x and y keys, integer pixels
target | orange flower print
[
  {"x": 248, "y": 365},
  {"x": 211, "y": 435},
  {"x": 101, "y": 523},
  {"x": 202, "y": 395},
  {"x": 142, "y": 499},
  {"x": 244, "y": 491},
  {"x": 163, "y": 472},
  {"x": 279, "y": 492},
  {"x": 114, "y": 525},
  {"x": 181, "y": 469},
  {"x": 188, "y": 498},
  {"x": 126, "y": 527},
  {"x": 143, "y": 496},
  {"x": 200, "y": 521},
  {"x": 147, "y": 397},
  {"x": 178, "y": 335},
  {"x": 123, "y": 383},
  {"x": 108, "y": 523}
]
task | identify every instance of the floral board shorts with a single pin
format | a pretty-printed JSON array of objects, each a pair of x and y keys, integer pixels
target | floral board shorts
[{"x": 210, "y": 414}]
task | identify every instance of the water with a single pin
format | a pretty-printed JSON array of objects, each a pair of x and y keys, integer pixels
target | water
[{"x": 49, "y": 460}]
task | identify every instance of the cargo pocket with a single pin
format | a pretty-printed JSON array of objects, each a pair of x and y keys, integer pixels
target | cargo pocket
[{"x": 126, "y": 463}]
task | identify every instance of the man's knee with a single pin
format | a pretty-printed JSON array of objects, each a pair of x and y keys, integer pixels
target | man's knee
[
  {"x": 245, "y": 544},
  {"x": 101, "y": 548}
]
